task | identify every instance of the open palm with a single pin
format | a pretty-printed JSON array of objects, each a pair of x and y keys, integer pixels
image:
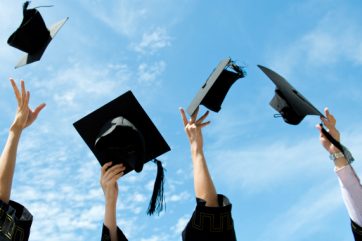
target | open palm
[{"x": 24, "y": 116}]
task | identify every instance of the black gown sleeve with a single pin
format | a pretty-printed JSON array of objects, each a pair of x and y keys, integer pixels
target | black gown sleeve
[
  {"x": 15, "y": 222},
  {"x": 106, "y": 236},
  {"x": 210, "y": 223},
  {"x": 357, "y": 231}
]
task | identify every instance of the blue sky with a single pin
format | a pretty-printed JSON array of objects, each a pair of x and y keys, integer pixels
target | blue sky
[{"x": 278, "y": 177}]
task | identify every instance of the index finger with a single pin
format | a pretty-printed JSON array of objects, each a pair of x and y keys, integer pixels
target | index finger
[
  {"x": 15, "y": 88},
  {"x": 105, "y": 167},
  {"x": 183, "y": 115},
  {"x": 330, "y": 122}
]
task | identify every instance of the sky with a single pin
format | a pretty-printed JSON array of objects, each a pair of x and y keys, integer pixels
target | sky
[{"x": 278, "y": 177}]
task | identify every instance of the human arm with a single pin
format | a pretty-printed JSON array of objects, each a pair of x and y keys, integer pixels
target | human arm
[
  {"x": 108, "y": 181},
  {"x": 203, "y": 184},
  {"x": 24, "y": 117},
  {"x": 350, "y": 185}
]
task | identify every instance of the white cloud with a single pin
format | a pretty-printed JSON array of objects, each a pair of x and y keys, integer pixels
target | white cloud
[
  {"x": 139, "y": 197},
  {"x": 148, "y": 74},
  {"x": 179, "y": 197},
  {"x": 10, "y": 19},
  {"x": 335, "y": 38},
  {"x": 180, "y": 225},
  {"x": 152, "y": 41},
  {"x": 276, "y": 163},
  {"x": 306, "y": 216},
  {"x": 133, "y": 18}
]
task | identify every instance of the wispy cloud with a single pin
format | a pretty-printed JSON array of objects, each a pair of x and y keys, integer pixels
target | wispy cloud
[
  {"x": 180, "y": 225},
  {"x": 274, "y": 163},
  {"x": 148, "y": 73},
  {"x": 335, "y": 38},
  {"x": 306, "y": 216},
  {"x": 10, "y": 20},
  {"x": 133, "y": 18},
  {"x": 152, "y": 41}
]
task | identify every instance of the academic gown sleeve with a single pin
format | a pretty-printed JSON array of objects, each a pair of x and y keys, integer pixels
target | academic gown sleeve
[
  {"x": 210, "y": 223},
  {"x": 15, "y": 222},
  {"x": 106, "y": 235},
  {"x": 357, "y": 231}
]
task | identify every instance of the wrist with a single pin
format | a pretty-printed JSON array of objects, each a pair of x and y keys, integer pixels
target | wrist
[
  {"x": 339, "y": 159},
  {"x": 334, "y": 156},
  {"x": 15, "y": 129},
  {"x": 195, "y": 147},
  {"x": 197, "y": 152}
]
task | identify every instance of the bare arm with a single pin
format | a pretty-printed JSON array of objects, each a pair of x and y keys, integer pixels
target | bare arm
[
  {"x": 109, "y": 178},
  {"x": 203, "y": 184},
  {"x": 24, "y": 117}
]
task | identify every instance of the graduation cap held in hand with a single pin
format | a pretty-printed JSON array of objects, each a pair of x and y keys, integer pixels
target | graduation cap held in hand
[
  {"x": 121, "y": 132},
  {"x": 293, "y": 107},
  {"x": 291, "y": 104},
  {"x": 213, "y": 92},
  {"x": 32, "y": 36}
]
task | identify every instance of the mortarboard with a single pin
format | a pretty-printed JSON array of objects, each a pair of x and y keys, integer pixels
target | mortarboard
[
  {"x": 213, "y": 92},
  {"x": 293, "y": 107},
  {"x": 121, "y": 132},
  {"x": 291, "y": 104},
  {"x": 32, "y": 36}
]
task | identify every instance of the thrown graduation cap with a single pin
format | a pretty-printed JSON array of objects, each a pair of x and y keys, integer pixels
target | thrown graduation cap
[
  {"x": 213, "y": 92},
  {"x": 32, "y": 36},
  {"x": 121, "y": 132},
  {"x": 293, "y": 107},
  {"x": 291, "y": 104}
]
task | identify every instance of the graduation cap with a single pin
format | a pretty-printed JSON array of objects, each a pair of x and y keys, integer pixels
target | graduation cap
[
  {"x": 32, "y": 36},
  {"x": 213, "y": 92},
  {"x": 121, "y": 132},
  {"x": 291, "y": 104},
  {"x": 293, "y": 107}
]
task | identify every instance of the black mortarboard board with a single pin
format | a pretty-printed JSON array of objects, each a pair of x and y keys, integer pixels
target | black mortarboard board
[
  {"x": 122, "y": 128},
  {"x": 291, "y": 104},
  {"x": 32, "y": 36},
  {"x": 213, "y": 92}
]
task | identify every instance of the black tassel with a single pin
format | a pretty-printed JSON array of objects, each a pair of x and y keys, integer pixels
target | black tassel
[
  {"x": 331, "y": 139},
  {"x": 157, "y": 200}
]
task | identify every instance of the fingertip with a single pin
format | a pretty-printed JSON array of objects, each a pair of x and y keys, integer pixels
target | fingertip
[{"x": 12, "y": 82}]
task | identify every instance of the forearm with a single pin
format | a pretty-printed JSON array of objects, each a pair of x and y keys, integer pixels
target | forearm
[
  {"x": 203, "y": 184},
  {"x": 351, "y": 190},
  {"x": 110, "y": 219},
  {"x": 7, "y": 163}
]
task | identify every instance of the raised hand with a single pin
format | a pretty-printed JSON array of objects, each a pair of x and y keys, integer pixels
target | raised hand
[
  {"x": 24, "y": 115},
  {"x": 330, "y": 123},
  {"x": 108, "y": 180},
  {"x": 193, "y": 127}
]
